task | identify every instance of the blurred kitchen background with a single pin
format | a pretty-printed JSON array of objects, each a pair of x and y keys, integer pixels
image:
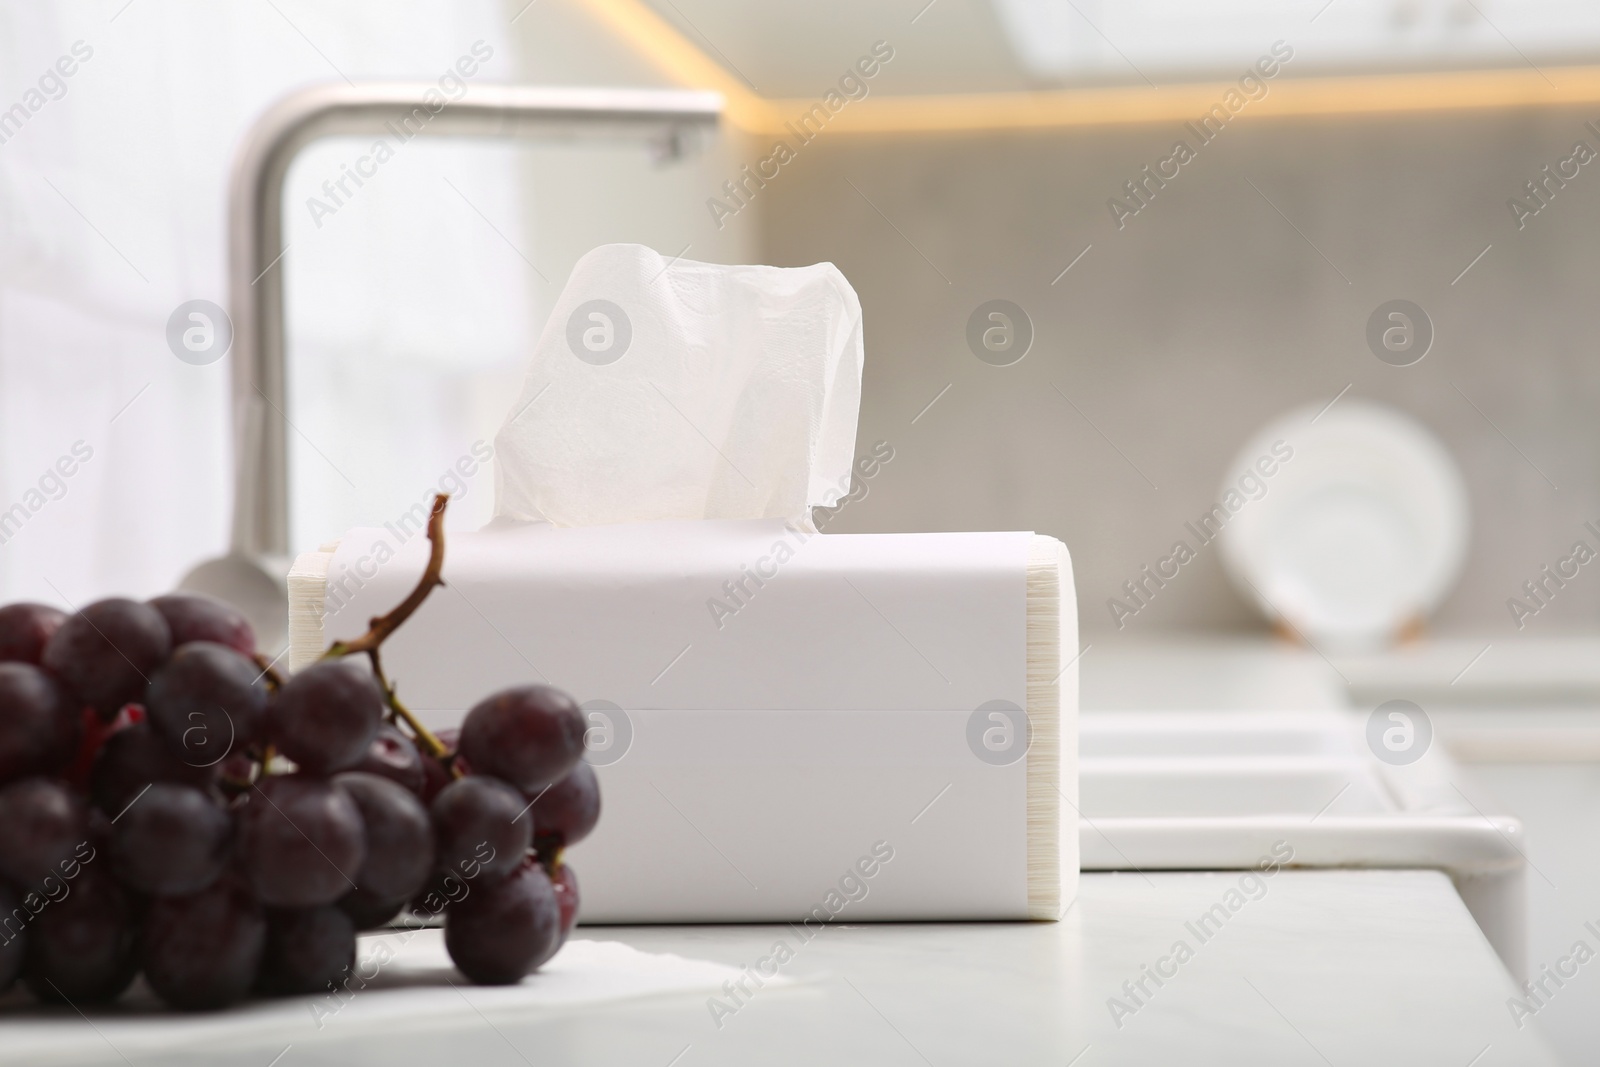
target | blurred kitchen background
[{"x": 1378, "y": 162}]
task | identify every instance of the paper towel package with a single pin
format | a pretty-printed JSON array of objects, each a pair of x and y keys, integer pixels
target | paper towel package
[{"x": 787, "y": 725}]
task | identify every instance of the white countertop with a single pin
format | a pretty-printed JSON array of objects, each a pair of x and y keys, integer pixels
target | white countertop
[{"x": 1341, "y": 967}]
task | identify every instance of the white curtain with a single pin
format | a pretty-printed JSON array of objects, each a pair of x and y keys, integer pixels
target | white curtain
[{"x": 408, "y": 306}]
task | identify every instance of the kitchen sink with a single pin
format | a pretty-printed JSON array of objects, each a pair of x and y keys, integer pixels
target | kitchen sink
[
  {"x": 1203, "y": 764},
  {"x": 1219, "y": 786},
  {"x": 1225, "y": 790},
  {"x": 1215, "y": 733}
]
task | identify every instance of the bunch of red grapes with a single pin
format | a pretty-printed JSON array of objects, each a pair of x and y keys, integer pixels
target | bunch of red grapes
[{"x": 170, "y": 806}]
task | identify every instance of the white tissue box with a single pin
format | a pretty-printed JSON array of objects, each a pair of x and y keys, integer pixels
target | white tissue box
[{"x": 786, "y": 726}]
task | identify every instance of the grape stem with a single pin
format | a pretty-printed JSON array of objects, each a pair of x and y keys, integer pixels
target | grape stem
[
  {"x": 424, "y": 736},
  {"x": 379, "y": 627},
  {"x": 269, "y": 672}
]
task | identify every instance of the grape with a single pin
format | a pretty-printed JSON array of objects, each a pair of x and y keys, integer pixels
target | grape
[
  {"x": 326, "y": 716},
  {"x": 301, "y": 842},
  {"x": 367, "y": 910},
  {"x": 235, "y": 773},
  {"x": 81, "y": 944},
  {"x": 206, "y": 702},
  {"x": 44, "y": 830},
  {"x": 202, "y": 951},
  {"x": 107, "y": 652},
  {"x": 443, "y": 888},
  {"x": 501, "y": 930},
  {"x": 308, "y": 950},
  {"x": 565, "y": 885},
  {"x": 480, "y": 827},
  {"x": 435, "y": 775},
  {"x": 24, "y": 630},
  {"x": 172, "y": 841},
  {"x": 398, "y": 832},
  {"x": 450, "y": 738},
  {"x": 393, "y": 755},
  {"x": 133, "y": 730},
  {"x": 40, "y": 722},
  {"x": 131, "y": 759},
  {"x": 93, "y": 732},
  {"x": 203, "y": 618},
  {"x": 564, "y": 814},
  {"x": 530, "y": 736},
  {"x": 13, "y": 936}
]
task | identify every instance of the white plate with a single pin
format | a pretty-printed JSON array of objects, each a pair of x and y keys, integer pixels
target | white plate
[{"x": 1362, "y": 530}]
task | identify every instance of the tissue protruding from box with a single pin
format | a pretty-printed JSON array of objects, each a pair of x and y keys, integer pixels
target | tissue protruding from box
[{"x": 669, "y": 389}]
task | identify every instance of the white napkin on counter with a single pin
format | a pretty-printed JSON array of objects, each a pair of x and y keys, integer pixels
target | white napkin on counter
[{"x": 412, "y": 987}]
